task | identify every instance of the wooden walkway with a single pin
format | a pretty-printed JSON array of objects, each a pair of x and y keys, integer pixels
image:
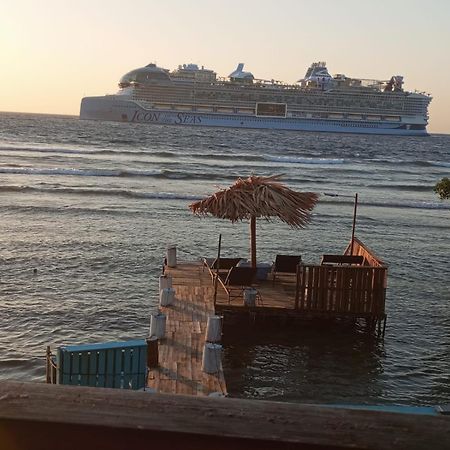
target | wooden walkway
[{"x": 180, "y": 353}]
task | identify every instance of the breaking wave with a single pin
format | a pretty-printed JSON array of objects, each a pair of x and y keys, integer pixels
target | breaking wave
[
  {"x": 407, "y": 204},
  {"x": 101, "y": 192},
  {"x": 79, "y": 172},
  {"x": 304, "y": 160},
  {"x": 329, "y": 198}
]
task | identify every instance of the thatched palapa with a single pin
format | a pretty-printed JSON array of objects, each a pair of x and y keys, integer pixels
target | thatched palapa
[{"x": 258, "y": 197}]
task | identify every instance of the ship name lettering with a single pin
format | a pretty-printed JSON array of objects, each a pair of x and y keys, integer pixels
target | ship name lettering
[
  {"x": 139, "y": 116},
  {"x": 187, "y": 119}
]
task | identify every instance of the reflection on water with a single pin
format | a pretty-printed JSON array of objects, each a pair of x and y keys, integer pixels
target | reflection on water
[{"x": 311, "y": 363}]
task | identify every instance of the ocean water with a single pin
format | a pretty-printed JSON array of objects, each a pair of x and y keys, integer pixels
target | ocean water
[{"x": 88, "y": 208}]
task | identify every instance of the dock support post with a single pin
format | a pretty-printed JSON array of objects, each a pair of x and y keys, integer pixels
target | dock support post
[
  {"x": 158, "y": 325},
  {"x": 214, "y": 329},
  {"x": 211, "y": 360},
  {"x": 166, "y": 296},
  {"x": 165, "y": 281},
  {"x": 172, "y": 256},
  {"x": 48, "y": 365},
  {"x": 152, "y": 352}
]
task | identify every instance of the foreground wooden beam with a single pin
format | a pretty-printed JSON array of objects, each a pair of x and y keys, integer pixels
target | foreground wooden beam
[{"x": 41, "y": 416}]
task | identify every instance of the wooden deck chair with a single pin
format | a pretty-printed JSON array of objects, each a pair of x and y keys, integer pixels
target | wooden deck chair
[
  {"x": 238, "y": 279},
  {"x": 225, "y": 264},
  {"x": 285, "y": 264},
  {"x": 342, "y": 260}
]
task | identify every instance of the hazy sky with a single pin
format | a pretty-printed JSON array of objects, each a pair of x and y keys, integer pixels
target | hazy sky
[{"x": 55, "y": 52}]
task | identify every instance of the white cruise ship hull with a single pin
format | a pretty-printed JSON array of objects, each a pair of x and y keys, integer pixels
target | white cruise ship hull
[{"x": 120, "y": 109}]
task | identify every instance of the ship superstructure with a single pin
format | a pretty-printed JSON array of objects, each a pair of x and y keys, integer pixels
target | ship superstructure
[{"x": 192, "y": 95}]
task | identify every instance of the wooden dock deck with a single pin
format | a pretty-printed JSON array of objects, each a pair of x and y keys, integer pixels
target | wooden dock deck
[
  {"x": 180, "y": 353},
  {"x": 337, "y": 291},
  {"x": 351, "y": 295}
]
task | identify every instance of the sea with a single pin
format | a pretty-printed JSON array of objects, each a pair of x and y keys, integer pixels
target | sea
[{"x": 87, "y": 210}]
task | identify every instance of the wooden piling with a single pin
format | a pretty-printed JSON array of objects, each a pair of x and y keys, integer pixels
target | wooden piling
[
  {"x": 152, "y": 352},
  {"x": 48, "y": 365}
]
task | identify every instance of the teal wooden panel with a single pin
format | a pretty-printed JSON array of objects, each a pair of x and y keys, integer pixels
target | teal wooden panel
[
  {"x": 101, "y": 368},
  {"x": 134, "y": 368},
  {"x": 127, "y": 356},
  {"x": 62, "y": 361},
  {"x": 74, "y": 368},
  {"x": 97, "y": 365},
  {"x": 93, "y": 369},
  {"x": 119, "y": 368},
  {"x": 104, "y": 346},
  {"x": 110, "y": 362},
  {"x": 84, "y": 368},
  {"x": 68, "y": 363}
]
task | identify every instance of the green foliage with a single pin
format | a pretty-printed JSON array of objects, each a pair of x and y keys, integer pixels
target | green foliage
[{"x": 442, "y": 188}]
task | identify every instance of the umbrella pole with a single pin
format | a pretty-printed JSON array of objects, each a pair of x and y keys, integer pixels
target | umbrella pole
[
  {"x": 354, "y": 224},
  {"x": 253, "y": 240},
  {"x": 216, "y": 279}
]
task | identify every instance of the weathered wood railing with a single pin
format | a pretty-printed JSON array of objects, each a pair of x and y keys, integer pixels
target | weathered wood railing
[
  {"x": 341, "y": 290},
  {"x": 360, "y": 249},
  {"x": 37, "y": 416}
]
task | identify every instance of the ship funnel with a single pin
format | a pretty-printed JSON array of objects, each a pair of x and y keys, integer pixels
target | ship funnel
[{"x": 239, "y": 74}]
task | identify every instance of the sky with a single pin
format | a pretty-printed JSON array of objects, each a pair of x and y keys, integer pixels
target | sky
[{"x": 53, "y": 53}]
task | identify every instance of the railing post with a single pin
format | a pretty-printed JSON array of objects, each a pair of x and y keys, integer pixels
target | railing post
[
  {"x": 297, "y": 287},
  {"x": 54, "y": 374},
  {"x": 48, "y": 365},
  {"x": 216, "y": 279},
  {"x": 354, "y": 224}
]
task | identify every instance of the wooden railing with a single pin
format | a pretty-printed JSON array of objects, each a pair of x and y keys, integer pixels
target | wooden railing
[
  {"x": 341, "y": 290},
  {"x": 38, "y": 416},
  {"x": 360, "y": 249}
]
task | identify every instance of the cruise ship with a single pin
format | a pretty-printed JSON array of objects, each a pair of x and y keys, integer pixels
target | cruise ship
[{"x": 196, "y": 96}]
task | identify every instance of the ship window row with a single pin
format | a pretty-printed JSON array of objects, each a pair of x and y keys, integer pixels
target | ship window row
[
  {"x": 312, "y": 122},
  {"x": 318, "y": 107},
  {"x": 313, "y": 107},
  {"x": 298, "y": 114},
  {"x": 313, "y": 110},
  {"x": 357, "y": 122},
  {"x": 257, "y": 96},
  {"x": 290, "y": 96},
  {"x": 295, "y": 96}
]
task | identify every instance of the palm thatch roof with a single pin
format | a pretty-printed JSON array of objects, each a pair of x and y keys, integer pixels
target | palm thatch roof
[{"x": 264, "y": 197}]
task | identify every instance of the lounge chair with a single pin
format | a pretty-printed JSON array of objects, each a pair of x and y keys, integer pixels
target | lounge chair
[
  {"x": 225, "y": 264},
  {"x": 285, "y": 264},
  {"x": 236, "y": 280},
  {"x": 341, "y": 260}
]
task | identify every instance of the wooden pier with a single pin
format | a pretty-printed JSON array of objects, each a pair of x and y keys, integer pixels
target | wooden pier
[
  {"x": 314, "y": 292},
  {"x": 347, "y": 287},
  {"x": 180, "y": 352}
]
